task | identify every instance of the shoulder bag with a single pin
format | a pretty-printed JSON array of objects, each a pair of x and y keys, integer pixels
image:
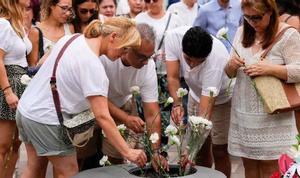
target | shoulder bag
[
  {"x": 277, "y": 95},
  {"x": 79, "y": 128}
]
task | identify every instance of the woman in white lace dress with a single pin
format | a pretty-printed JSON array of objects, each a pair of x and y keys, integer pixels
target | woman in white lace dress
[{"x": 254, "y": 135}]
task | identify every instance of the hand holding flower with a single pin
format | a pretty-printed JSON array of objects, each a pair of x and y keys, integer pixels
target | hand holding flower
[
  {"x": 158, "y": 162},
  {"x": 135, "y": 123},
  {"x": 260, "y": 68}
]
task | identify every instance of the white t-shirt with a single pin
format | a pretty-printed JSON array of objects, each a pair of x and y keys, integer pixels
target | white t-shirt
[
  {"x": 122, "y": 7},
  {"x": 122, "y": 78},
  {"x": 15, "y": 47},
  {"x": 79, "y": 74},
  {"x": 186, "y": 14},
  {"x": 208, "y": 74},
  {"x": 159, "y": 26}
]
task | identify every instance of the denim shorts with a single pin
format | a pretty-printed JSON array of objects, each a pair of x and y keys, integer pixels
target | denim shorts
[{"x": 46, "y": 139}]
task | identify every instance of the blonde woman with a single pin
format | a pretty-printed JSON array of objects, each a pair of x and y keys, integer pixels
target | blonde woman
[
  {"x": 53, "y": 26},
  {"x": 82, "y": 84},
  {"x": 13, "y": 48}
]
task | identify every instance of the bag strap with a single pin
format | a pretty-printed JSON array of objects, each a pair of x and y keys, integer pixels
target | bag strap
[
  {"x": 164, "y": 34},
  {"x": 276, "y": 39},
  {"x": 41, "y": 43},
  {"x": 55, "y": 94}
]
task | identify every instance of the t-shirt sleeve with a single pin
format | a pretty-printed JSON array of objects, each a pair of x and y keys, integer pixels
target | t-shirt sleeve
[
  {"x": 6, "y": 33},
  {"x": 92, "y": 78},
  {"x": 201, "y": 19},
  {"x": 214, "y": 73},
  {"x": 149, "y": 91},
  {"x": 171, "y": 47}
]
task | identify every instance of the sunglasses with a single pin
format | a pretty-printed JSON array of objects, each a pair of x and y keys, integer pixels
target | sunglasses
[
  {"x": 85, "y": 11},
  {"x": 254, "y": 18},
  {"x": 149, "y": 1}
]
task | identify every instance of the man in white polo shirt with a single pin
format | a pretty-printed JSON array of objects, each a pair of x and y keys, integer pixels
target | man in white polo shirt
[
  {"x": 134, "y": 69},
  {"x": 201, "y": 59}
]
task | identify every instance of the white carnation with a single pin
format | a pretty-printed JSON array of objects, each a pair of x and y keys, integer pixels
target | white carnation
[
  {"x": 25, "y": 79},
  {"x": 170, "y": 100},
  {"x": 154, "y": 137},
  {"x": 103, "y": 160},
  {"x": 135, "y": 89},
  {"x": 174, "y": 140},
  {"x": 121, "y": 127},
  {"x": 222, "y": 33},
  {"x": 212, "y": 91},
  {"x": 181, "y": 92},
  {"x": 171, "y": 130}
]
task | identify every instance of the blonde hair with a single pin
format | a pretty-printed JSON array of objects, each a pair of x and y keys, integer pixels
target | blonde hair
[
  {"x": 46, "y": 8},
  {"x": 11, "y": 10},
  {"x": 124, "y": 27}
]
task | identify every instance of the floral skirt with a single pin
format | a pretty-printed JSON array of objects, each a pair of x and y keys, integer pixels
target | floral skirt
[{"x": 14, "y": 74}]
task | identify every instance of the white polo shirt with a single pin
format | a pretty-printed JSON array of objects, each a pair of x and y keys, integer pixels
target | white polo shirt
[
  {"x": 208, "y": 74},
  {"x": 122, "y": 78},
  {"x": 187, "y": 15}
]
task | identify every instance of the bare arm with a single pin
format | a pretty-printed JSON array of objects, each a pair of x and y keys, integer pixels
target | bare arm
[
  {"x": 206, "y": 106},
  {"x": 173, "y": 68},
  {"x": 10, "y": 96},
  {"x": 99, "y": 107},
  {"x": 135, "y": 123},
  {"x": 33, "y": 56}
]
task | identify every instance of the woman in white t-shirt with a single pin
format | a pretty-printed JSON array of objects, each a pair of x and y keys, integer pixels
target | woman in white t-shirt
[
  {"x": 82, "y": 84},
  {"x": 14, "y": 45}
]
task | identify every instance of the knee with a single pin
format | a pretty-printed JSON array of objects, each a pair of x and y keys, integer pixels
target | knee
[{"x": 67, "y": 170}]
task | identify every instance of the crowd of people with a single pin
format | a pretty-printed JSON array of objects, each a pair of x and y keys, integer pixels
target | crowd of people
[{"x": 160, "y": 50}]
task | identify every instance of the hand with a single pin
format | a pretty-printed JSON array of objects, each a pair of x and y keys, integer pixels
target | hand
[
  {"x": 184, "y": 160},
  {"x": 158, "y": 161},
  {"x": 260, "y": 68},
  {"x": 12, "y": 100},
  {"x": 234, "y": 63},
  {"x": 135, "y": 123},
  {"x": 136, "y": 156},
  {"x": 177, "y": 114}
]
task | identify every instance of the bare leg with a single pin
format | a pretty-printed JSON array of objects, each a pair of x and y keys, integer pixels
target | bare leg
[
  {"x": 36, "y": 165},
  {"x": 222, "y": 160},
  {"x": 8, "y": 156},
  {"x": 204, "y": 156},
  {"x": 267, "y": 168},
  {"x": 251, "y": 168},
  {"x": 64, "y": 166}
]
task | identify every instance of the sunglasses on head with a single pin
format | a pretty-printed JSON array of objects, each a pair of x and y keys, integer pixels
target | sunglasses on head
[
  {"x": 149, "y": 1},
  {"x": 85, "y": 11},
  {"x": 253, "y": 18}
]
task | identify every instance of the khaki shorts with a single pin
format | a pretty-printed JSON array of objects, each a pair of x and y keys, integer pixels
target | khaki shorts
[
  {"x": 220, "y": 119},
  {"x": 46, "y": 139}
]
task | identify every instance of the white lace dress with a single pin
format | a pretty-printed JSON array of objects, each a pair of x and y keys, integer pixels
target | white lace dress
[{"x": 253, "y": 133}]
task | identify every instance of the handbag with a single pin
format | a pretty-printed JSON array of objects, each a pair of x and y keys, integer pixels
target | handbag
[
  {"x": 277, "y": 95},
  {"x": 78, "y": 128}
]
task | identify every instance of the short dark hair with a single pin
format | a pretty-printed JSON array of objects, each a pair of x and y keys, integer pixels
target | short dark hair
[{"x": 197, "y": 43}]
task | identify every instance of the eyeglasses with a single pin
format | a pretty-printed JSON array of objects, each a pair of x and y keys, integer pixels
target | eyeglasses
[
  {"x": 254, "y": 18},
  {"x": 65, "y": 8},
  {"x": 149, "y": 1},
  {"x": 85, "y": 11},
  {"x": 142, "y": 57}
]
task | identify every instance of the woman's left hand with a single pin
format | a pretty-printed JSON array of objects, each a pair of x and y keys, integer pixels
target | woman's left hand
[
  {"x": 258, "y": 69},
  {"x": 158, "y": 161}
]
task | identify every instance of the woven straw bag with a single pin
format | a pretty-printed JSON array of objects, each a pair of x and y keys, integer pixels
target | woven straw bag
[{"x": 277, "y": 95}]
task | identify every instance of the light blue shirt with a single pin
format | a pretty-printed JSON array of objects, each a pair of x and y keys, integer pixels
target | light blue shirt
[{"x": 212, "y": 17}]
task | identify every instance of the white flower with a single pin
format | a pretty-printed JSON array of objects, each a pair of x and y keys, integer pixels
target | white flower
[
  {"x": 25, "y": 79},
  {"x": 181, "y": 92},
  {"x": 121, "y": 127},
  {"x": 212, "y": 91},
  {"x": 174, "y": 140},
  {"x": 170, "y": 100},
  {"x": 222, "y": 33},
  {"x": 135, "y": 90},
  {"x": 171, "y": 130},
  {"x": 103, "y": 134},
  {"x": 196, "y": 120},
  {"x": 103, "y": 160},
  {"x": 154, "y": 137}
]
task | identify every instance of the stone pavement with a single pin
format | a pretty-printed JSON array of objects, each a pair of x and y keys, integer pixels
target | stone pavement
[{"x": 237, "y": 167}]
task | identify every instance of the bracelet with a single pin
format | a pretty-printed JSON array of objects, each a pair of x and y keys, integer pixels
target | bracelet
[{"x": 6, "y": 88}]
